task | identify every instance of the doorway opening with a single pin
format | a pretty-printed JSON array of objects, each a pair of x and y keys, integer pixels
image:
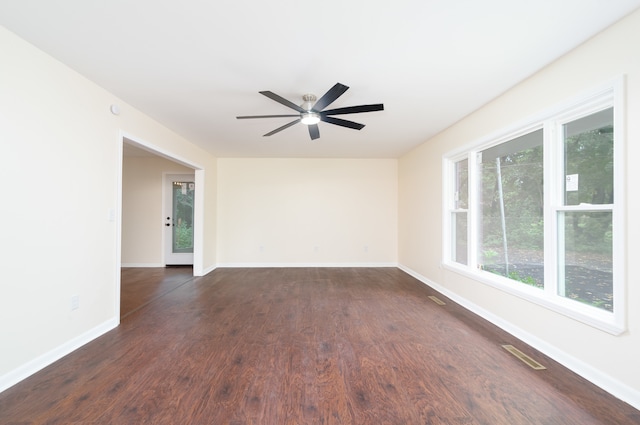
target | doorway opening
[{"x": 158, "y": 227}]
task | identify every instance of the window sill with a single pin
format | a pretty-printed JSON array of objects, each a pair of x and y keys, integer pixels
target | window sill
[{"x": 592, "y": 316}]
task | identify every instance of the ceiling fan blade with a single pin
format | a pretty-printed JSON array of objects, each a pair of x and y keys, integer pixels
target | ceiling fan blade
[
  {"x": 265, "y": 116},
  {"x": 342, "y": 123},
  {"x": 354, "y": 109},
  {"x": 282, "y": 101},
  {"x": 314, "y": 131},
  {"x": 282, "y": 128},
  {"x": 328, "y": 98}
]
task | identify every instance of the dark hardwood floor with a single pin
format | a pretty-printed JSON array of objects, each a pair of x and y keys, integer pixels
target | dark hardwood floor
[
  {"x": 141, "y": 286},
  {"x": 301, "y": 346}
]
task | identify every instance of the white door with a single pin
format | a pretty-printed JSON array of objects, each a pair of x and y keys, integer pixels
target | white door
[{"x": 178, "y": 218}]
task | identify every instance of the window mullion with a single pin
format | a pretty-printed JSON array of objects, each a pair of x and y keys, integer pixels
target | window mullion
[
  {"x": 472, "y": 216},
  {"x": 553, "y": 157},
  {"x": 447, "y": 206}
]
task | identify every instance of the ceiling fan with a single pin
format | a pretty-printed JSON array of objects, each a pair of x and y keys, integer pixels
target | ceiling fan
[{"x": 311, "y": 112}]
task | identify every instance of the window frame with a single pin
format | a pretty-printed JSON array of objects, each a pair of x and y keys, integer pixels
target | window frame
[{"x": 551, "y": 122}]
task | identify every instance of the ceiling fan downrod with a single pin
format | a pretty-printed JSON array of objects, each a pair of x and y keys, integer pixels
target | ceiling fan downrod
[{"x": 308, "y": 101}]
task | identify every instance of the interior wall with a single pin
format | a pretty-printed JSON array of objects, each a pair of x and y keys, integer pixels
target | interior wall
[
  {"x": 142, "y": 209},
  {"x": 307, "y": 212},
  {"x": 608, "y": 360},
  {"x": 61, "y": 151}
]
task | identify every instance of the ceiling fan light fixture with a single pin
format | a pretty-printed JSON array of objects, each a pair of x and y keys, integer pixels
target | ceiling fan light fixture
[{"x": 310, "y": 118}]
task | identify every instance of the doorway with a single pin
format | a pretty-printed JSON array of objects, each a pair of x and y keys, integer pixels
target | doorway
[{"x": 141, "y": 230}]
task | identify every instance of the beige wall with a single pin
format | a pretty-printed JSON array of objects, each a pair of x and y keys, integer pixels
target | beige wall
[
  {"x": 142, "y": 209},
  {"x": 60, "y": 157},
  {"x": 307, "y": 212},
  {"x": 608, "y": 360}
]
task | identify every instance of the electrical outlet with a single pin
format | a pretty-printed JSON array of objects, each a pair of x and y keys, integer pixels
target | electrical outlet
[{"x": 75, "y": 302}]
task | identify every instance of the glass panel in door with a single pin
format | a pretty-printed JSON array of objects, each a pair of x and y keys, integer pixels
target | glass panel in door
[{"x": 182, "y": 229}]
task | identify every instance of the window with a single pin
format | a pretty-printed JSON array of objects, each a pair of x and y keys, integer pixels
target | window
[
  {"x": 511, "y": 239},
  {"x": 536, "y": 211},
  {"x": 585, "y": 213},
  {"x": 459, "y": 214}
]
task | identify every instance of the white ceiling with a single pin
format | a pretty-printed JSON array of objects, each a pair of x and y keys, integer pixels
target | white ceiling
[{"x": 195, "y": 65}]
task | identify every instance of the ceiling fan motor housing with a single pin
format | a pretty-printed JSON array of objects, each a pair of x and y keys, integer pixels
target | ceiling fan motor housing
[{"x": 310, "y": 117}]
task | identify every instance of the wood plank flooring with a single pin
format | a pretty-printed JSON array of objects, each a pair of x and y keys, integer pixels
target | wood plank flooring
[
  {"x": 141, "y": 286},
  {"x": 302, "y": 346}
]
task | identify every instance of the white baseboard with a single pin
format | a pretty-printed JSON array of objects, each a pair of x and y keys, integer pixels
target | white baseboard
[
  {"x": 153, "y": 265},
  {"x": 208, "y": 270},
  {"x": 285, "y": 265},
  {"x": 22, "y": 372},
  {"x": 613, "y": 386}
]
